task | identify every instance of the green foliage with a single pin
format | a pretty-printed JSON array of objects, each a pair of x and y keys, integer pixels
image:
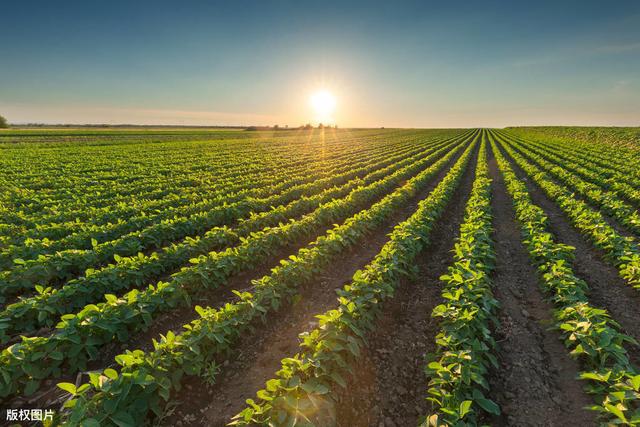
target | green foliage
[
  {"x": 594, "y": 190},
  {"x": 623, "y": 252},
  {"x": 329, "y": 351},
  {"x": 595, "y": 166},
  {"x": 79, "y": 336},
  {"x": 464, "y": 346},
  {"x": 98, "y": 263},
  {"x": 589, "y": 333},
  {"x": 213, "y": 334},
  {"x": 616, "y": 137}
]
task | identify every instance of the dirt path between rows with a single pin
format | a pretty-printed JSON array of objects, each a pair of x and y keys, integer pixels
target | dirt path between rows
[
  {"x": 606, "y": 288},
  {"x": 173, "y": 320},
  {"x": 259, "y": 353},
  {"x": 389, "y": 387},
  {"x": 612, "y": 221},
  {"x": 536, "y": 383}
]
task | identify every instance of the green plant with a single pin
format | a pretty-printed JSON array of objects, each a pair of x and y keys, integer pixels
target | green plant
[
  {"x": 329, "y": 351},
  {"x": 465, "y": 349},
  {"x": 589, "y": 333}
]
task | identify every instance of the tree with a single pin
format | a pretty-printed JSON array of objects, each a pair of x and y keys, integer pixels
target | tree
[{"x": 3, "y": 122}]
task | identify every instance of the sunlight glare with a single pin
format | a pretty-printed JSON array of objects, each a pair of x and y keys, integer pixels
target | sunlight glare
[{"x": 324, "y": 104}]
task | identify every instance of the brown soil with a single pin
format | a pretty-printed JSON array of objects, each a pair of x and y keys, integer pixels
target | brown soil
[
  {"x": 535, "y": 384},
  {"x": 174, "y": 320},
  {"x": 389, "y": 387},
  {"x": 613, "y": 222},
  {"x": 606, "y": 288},
  {"x": 168, "y": 321},
  {"x": 260, "y": 352},
  {"x": 146, "y": 251}
]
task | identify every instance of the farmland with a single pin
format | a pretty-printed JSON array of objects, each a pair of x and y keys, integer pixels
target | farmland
[{"x": 350, "y": 277}]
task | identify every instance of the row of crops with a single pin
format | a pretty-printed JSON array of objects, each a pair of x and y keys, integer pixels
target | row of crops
[
  {"x": 586, "y": 136},
  {"x": 133, "y": 268}
]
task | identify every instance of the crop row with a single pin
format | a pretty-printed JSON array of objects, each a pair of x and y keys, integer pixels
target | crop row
[
  {"x": 67, "y": 264},
  {"x": 231, "y": 191},
  {"x": 97, "y": 163},
  {"x": 622, "y": 211},
  {"x": 79, "y": 336},
  {"x": 465, "y": 347},
  {"x": 147, "y": 379},
  {"x": 616, "y": 182},
  {"x": 35, "y": 272},
  {"x": 136, "y": 178},
  {"x": 197, "y": 166},
  {"x": 612, "y": 158},
  {"x": 589, "y": 333},
  {"x": 41, "y": 226},
  {"x": 621, "y": 251},
  {"x": 41, "y": 310},
  {"x": 327, "y": 355}
]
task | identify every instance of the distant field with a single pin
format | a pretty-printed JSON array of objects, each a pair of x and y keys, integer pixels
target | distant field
[
  {"x": 626, "y": 137},
  {"x": 369, "y": 277},
  {"x": 127, "y": 135}
]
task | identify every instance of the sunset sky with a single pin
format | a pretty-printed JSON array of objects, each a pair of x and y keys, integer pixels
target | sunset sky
[{"x": 406, "y": 64}]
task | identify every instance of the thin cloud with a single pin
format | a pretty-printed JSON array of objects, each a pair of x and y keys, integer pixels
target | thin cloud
[{"x": 618, "y": 48}]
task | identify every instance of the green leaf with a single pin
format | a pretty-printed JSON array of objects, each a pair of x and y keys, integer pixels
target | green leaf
[
  {"x": 615, "y": 411},
  {"x": 464, "y": 408},
  {"x": 56, "y": 355},
  {"x": 201, "y": 311},
  {"x": 31, "y": 387},
  {"x": 90, "y": 422},
  {"x": 436, "y": 366},
  {"x": 122, "y": 419},
  {"x": 313, "y": 386},
  {"x": 111, "y": 373},
  {"x": 489, "y": 405},
  {"x": 635, "y": 382},
  {"x": 68, "y": 387},
  {"x": 595, "y": 376}
]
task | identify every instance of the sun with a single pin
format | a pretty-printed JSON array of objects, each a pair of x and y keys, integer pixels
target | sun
[{"x": 324, "y": 105}]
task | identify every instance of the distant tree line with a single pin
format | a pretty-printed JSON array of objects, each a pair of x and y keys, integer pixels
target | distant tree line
[
  {"x": 3, "y": 123},
  {"x": 308, "y": 126}
]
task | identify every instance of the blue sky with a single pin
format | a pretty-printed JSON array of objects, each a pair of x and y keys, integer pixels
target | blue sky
[{"x": 410, "y": 64}]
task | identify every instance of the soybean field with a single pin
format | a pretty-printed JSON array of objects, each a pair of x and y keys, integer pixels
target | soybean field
[{"x": 325, "y": 277}]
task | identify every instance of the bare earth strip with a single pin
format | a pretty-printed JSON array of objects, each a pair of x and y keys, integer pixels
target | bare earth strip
[{"x": 536, "y": 383}]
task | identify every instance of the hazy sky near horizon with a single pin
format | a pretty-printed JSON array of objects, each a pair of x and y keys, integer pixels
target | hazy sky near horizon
[{"x": 395, "y": 63}]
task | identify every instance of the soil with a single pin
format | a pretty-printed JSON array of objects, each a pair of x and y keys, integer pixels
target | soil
[
  {"x": 536, "y": 383},
  {"x": 613, "y": 222},
  {"x": 607, "y": 289},
  {"x": 260, "y": 353},
  {"x": 174, "y": 320},
  {"x": 389, "y": 387}
]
